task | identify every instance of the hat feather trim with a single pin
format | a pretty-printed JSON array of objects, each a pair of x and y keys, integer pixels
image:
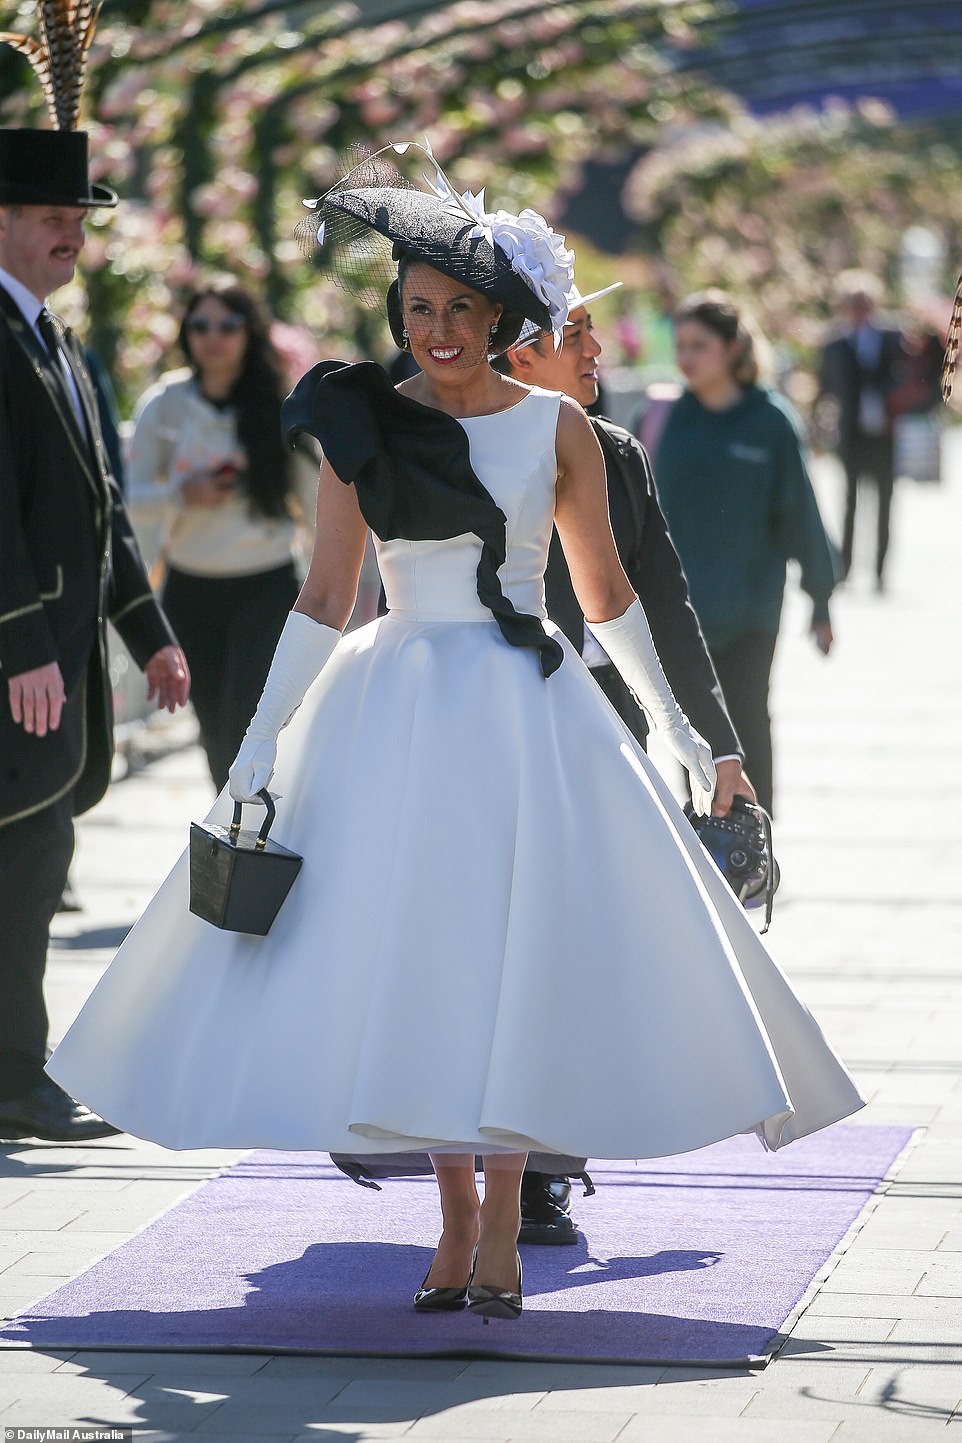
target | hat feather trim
[{"x": 59, "y": 57}]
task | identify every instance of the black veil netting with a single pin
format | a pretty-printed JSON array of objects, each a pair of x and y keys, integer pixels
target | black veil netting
[
  {"x": 355, "y": 256},
  {"x": 375, "y": 215}
]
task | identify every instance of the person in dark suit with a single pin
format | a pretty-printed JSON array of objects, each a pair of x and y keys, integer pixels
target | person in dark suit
[
  {"x": 647, "y": 553},
  {"x": 858, "y": 372},
  {"x": 68, "y": 564},
  {"x": 654, "y": 570}
]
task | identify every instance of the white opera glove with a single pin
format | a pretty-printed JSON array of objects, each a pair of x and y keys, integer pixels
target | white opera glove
[
  {"x": 303, "y": 649},
  {"x": 627, "y": 640}
]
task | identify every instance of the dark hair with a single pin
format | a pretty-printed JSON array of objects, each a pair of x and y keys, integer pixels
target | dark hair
[
  {"x": 509, "y": 322},
  {"x": 256, "y": 397},
  {"x": 718, "y": 313},
  {"x": 502, "y": 363}
]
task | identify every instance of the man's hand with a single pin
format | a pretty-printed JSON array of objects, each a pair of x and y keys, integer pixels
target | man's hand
[
  {"x": 168, "y": 678},
  {"x": 37, "y": 698},
  {"x": 823, "y": 636},
  {"x": 730, "y": 782}
]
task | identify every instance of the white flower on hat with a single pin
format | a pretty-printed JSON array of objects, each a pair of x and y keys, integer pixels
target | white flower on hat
[
  {"x": 539, "y": 255},
  {"x": 536, "y": 252}
]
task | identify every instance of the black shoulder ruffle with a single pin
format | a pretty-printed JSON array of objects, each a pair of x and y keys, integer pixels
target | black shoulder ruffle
[{"x": 411, "y": 468}]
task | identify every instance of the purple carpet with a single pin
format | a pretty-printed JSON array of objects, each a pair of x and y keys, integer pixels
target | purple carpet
[{"x": 693, "y": 1259}]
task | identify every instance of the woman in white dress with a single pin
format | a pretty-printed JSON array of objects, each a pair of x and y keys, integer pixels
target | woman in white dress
[{"x": 534, "y": 884}]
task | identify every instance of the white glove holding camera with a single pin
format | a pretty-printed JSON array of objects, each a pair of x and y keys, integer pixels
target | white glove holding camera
[
  {"x": 303, "y": 649},
  {"x": 627, "y": 640}
]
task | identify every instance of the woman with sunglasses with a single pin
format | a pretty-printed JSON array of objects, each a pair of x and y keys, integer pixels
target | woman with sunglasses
[{"x": 209, "y": 472}]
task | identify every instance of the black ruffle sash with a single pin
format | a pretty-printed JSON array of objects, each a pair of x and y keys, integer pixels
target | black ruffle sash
[{"x": 411, "y": 468}]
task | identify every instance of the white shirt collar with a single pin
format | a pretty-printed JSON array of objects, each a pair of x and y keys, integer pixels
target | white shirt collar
[{"x": 25, "y": 300}]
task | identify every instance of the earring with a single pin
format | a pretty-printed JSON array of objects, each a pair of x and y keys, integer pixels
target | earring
[
  {"x": 405, "y": 339},
  {"x": 494, "y": 330}
]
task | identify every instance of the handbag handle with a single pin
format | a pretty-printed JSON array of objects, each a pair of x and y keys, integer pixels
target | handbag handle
[{"x": 262, "y": 835}]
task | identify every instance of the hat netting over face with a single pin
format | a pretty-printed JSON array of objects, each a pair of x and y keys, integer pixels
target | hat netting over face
[{"x": 491, "y": 271}]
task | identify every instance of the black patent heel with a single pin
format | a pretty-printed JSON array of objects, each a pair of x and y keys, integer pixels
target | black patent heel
[
  {"x": 443, "y": 1300},
  {"x": 491, "y": 1303}
]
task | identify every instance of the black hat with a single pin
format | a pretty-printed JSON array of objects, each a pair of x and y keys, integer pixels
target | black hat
[
  {"x": 48, "y": 167},
  {"x": 424, "y": 228}
]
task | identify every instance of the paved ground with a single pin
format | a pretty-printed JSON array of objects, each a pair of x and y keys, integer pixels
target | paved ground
[{"x": 868, "y": 923}]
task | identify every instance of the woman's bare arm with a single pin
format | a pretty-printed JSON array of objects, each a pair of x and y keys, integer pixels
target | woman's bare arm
[
  {"x": 330, "y": 590},
  {"x": 581, "y": 516}
]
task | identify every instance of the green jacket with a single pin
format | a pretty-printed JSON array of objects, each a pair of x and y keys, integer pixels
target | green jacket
[{"x": 739, "y": 504}]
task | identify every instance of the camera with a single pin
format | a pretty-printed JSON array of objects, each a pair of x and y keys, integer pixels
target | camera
[{"x": 740, "y": 845}]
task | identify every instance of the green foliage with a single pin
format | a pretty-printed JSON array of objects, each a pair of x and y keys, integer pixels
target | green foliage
[{"x": 772, "y": 210}]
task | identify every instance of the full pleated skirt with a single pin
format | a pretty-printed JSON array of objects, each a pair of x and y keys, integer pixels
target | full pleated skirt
[{"x": 505, "y": 935}]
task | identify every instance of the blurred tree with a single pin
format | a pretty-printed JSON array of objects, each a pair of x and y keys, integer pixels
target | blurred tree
[
  {"x": 774, "y": 209},
  {"x": 214, "y": 120}
]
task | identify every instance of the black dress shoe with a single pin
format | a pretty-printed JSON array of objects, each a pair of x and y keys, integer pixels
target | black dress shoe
[
  {"x": 49, "y": 1113},
  {"x": 69, "y": 901},
  {"x": 545, "y": 1220}
]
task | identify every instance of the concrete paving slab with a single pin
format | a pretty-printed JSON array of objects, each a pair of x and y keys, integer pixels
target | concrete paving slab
[
  {"x": 469, "y": 1422},
  {"x": 355, "y": 1433},
  {"x": 717, "y": 1399},
  {"x": 14, "y": 1361},
  {"x": 819, "y": 1328},
  {"x": 547, "y": 1377},
  {"x": 682, "y": 1429},
  {"x": 410, "y": 1397},
  {"x": 442, "y": 1369},
  {"x": 890, "y": 1282},
  {"x": 257, "y": 1422},
  {"x": 894, "y": 1427},
  {"x": 877, "y": 1306}
]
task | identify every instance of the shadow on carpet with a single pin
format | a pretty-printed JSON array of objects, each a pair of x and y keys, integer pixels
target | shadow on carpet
[{"x": 699, "y": 1259}]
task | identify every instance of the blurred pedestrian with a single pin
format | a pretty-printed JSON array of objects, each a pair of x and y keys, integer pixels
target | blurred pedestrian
[
  {"x": 858, "y": 373},
  {"x": 207, "y": 464},
  {"x": 739, "y": 504},
  {"x": 68, "y": 562}
]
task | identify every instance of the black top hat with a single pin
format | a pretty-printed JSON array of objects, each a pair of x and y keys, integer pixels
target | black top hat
[
  {"x": 48, "y": 167},
  {"x": 423, "y": 228}
]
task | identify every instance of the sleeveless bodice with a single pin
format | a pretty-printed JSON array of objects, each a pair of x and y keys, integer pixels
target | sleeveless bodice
[{"x": 513, "y": 455}]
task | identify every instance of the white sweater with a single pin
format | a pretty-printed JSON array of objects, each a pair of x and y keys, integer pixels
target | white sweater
[{"x": 177, "y": 432}]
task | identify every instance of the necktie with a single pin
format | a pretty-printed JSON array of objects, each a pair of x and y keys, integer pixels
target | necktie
[{"x": 51, "y": 339}]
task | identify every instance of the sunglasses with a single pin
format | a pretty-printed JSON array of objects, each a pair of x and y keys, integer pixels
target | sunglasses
[{"x": 229, "y": 326}]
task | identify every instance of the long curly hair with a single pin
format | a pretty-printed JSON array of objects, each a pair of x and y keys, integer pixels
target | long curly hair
[{"x": 256, "y": 397}]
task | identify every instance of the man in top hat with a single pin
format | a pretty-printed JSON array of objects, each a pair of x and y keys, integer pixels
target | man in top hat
[
  {"x": 68, "y": 564},
  {"x": 655, "y": 572}
]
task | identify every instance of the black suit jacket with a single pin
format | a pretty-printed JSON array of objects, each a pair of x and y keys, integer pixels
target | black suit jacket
[
  {"x": 654, "y": 570},
  {"x": 68, "y": 563},
  {"x": 841, "y": 377}
]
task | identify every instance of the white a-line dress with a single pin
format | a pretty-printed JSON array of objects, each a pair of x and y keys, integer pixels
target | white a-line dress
[{"x": 505, "y": 934}]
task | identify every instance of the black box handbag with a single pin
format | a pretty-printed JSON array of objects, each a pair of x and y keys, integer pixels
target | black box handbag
[{"x": 238, "y": 880}]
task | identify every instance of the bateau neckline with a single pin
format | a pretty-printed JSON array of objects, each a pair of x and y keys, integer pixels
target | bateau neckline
[
  {"x": 490, "y": 415},
  {"x": 483, "y": 416}
]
